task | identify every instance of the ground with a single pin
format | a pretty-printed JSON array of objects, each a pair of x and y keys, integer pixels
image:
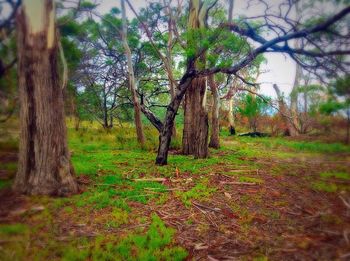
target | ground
[{"x": 253, "y": 199}]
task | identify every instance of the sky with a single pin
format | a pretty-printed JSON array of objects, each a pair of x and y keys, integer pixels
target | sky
[{"x": 279, "y": 68}]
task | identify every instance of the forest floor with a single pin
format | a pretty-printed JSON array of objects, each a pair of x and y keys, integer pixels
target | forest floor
[{"x": 253, "y": 199}]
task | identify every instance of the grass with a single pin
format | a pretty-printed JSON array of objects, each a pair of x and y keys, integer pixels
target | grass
[
  {"x": 304, "y": 146},
  {"x": 325, "y": 186},
  {"x": 156, "y": 243},
  {"x": 201, "y": 191},
  {"x": 338, "y": 175},
  {"x": 113, "y": 201}
]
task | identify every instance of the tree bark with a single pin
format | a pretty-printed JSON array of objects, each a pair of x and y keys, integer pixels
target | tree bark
[
  {"x": 132, "y": 85},
  {"x": 196, "y": 127},
  {"x": 44, "y": 160},
  {"x": 215, "y": 128}
]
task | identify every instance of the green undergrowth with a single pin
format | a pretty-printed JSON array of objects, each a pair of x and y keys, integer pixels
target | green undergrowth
[
  {"x": 332, "y": 182},
  {"x": 337, "y": 175},
  {"x": 201, "y": 191},
  {"x": 304, "y": 146},
  {"x": 155, "y": 243}
]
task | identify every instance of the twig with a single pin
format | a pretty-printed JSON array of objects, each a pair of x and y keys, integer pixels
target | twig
[{"x": 206, "y": 207}]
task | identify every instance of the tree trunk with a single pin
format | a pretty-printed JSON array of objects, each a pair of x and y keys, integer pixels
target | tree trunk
[
  {"x": 348, "y": 127},
  {"x": 132, "y": 85},
  {"x": 166, "y": 128},
  {"x": 169, "y": 60},
  {"x": 285, "y": 113},
  {"x": 231, "y": 120},
  {"x": 44, "y": 161},
  {"x": 195, "y": 132},
  {"x": 215, "y": 130}
]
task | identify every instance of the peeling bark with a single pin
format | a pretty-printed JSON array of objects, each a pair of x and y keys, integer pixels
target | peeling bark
[{"x": 44, "y": 165}]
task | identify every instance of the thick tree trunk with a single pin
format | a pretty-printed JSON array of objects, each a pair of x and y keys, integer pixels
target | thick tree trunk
[
  {"x": 44, "y": 161},
  {"x": 195, "y": 132},
  {"x": 132, "y": 85},
  {"x": 196, "y": 127},
  {"x": 215, "y": 128}
]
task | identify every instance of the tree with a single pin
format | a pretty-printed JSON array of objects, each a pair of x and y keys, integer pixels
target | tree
[
  {"x": 195, "y": 132},
  {"x": 340, "y": 91},
  {"x": 318, "y": 58},
  {"x": 252, "y": 107},
  {"x": 44, "y": 165},
  {"x": 286, "y": 114},
  {"x": 131, "y": 78}
]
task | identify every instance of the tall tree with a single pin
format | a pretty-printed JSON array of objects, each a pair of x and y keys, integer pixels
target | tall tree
[
  {"x": 44, "y": 165},
  {"x": 316, "y": 58},
  {"x": 132, "y": 82},
  {"x": 195, "y": 132}
]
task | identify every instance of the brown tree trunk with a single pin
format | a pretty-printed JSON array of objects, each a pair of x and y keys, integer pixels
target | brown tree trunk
[
  {"x": 215, "y": 128},
  {"x": 195, "y": 132},
  {"x": 132, "y": 85},
  {"x": 44, "y": 161}
]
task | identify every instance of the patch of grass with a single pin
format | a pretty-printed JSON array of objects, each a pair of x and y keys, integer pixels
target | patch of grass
[
  {"x": 338, "y": 175},
  {"x": 5, "y": 183},
  {"x": 100, "y": 200},
  {"x": 118, "y": 218},
  {"x": 156, "y": 243},
  {"x": 13, "y": 229},
  {"x": 200, "y": 191},
  {"x": 250, "y": 180},
  {"x": 308, "y": 146},
  {"x": 9, "y": 166},
  {"x": 324, "y": 186}
]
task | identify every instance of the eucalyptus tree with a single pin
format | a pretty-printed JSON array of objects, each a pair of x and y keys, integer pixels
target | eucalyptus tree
[
  {"x": 44, "y": 165},
  {"x": 272, "y": 31}
]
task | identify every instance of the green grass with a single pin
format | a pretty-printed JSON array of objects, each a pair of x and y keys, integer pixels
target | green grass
[
  {"x": 338, "y": 175},
  {"x": 156, "y": 243},
  {"x": 13, "y": 229},
  {"x": 201, "y": 191},
  {"x": 305, "y": 146},
  {"x": 5, "y": 183},
  {"x": 324, "y": 186},
  {"x": 250, "y": 180}
]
